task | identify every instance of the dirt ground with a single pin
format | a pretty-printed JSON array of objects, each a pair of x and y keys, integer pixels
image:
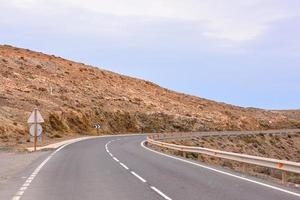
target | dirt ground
[
  {"x": 281, "y": 146},
  {"x": 73, "y": 97},
  {"x": 11, "y": 163}
]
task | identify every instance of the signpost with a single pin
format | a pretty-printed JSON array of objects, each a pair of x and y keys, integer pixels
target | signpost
[{"x": 35, "y": 130}]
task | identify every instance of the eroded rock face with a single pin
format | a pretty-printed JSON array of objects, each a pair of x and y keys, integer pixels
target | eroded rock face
[{"x": 73, "y": 96}]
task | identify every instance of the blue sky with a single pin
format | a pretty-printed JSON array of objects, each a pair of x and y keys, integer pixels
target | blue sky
[{"x": 245, "y": 53}]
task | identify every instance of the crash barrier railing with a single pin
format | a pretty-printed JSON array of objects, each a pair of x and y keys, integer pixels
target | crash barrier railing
[
  {"x": 283, "y": 165},
  {"x": 186, "y": 135}
]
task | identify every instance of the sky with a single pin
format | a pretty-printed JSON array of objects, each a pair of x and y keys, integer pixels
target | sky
[{"x": 242, "y": 52}]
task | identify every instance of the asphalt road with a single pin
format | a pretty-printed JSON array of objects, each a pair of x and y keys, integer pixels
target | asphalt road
[{"x": 116, "y": 168}]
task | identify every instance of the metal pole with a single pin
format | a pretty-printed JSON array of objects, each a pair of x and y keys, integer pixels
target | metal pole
[{"x": 35, "y": 128}]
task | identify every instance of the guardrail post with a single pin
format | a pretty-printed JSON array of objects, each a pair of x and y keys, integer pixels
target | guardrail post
[
  {"x": 199, "y": 157},
  {"x": 243, "y": 167},
  {"x": 283, "y": 165},
  {"x": 284, "y": 177}
]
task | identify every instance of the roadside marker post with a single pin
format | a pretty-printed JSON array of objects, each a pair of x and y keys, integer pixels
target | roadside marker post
[
  {"x": 35, "y": 130},
  {"x": 97, "y": 126}
]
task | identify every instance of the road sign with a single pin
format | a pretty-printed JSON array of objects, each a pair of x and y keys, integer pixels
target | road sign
[
  {"x": 39, "y": 139},
  {"x": 97, "y": 126},
  {"x": 38, "y": 131},
  {"x": 35, "y": 119}
]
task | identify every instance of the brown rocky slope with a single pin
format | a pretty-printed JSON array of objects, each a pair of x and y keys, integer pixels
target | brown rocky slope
[{"x": 73, "y": 96}]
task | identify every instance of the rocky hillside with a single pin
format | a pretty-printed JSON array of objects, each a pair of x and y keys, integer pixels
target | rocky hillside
[{"x": 73, "y": 96}]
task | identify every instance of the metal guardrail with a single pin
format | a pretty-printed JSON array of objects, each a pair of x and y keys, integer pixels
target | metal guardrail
[
  {"x": 283, "y": 165},
  {"x": 187, "y": 135}
]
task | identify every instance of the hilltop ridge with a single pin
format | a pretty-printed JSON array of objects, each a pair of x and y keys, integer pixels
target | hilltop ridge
[{"x": 73, "y": 96}]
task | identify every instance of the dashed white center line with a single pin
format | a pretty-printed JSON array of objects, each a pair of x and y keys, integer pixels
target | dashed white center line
[
  {"x": 157, "y": 191},
  {"x": 124, "y": 166},
  {"x": 138, "y": 176},
  {"x": 160, "y": 193}
]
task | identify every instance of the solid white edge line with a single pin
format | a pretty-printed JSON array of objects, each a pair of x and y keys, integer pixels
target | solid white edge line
[
  {"x": 223, "y": 172},
  {"x": 91, "y": 138},
  {"x": 28, "y": 181},
  {"x": 138, "y": 176},
  {"x": 26, "y": 184},
  {"x": 37, "y": 170},
  {"x": 160, "y": 193},
  {"x": 16, "y": 197},
  {"x": 23, "y": 188},
  {"x": 20, "y": 193}
]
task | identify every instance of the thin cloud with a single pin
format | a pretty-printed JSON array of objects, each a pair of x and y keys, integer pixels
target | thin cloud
[{"x": 233, "y": 20}]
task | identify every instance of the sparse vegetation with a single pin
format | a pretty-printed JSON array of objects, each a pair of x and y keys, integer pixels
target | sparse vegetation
[
  {"x": 39, "y": 66},
  {"x": 283, "y": 147},
  {"x": 84, "y": 95}
]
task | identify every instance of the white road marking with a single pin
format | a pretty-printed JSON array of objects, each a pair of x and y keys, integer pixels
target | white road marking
[
  {"x": 223, "y": 172},
  {"x": 36, "y": 171},
  {"x": 138, "y": 176},
  {"x": 142, "y": 179},
  {"x": 16, "y": 197},
  {"x": 124, "y": 166},
  {"x": 28, "y": 181},
  {"x": 23, "y": 188},
  {"x": 20, "y": 193},
  {"x": 160, "y": 193},
  {"x": 26, "y": 184}
]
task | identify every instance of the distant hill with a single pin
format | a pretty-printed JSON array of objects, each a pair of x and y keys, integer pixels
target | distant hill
[{"x": 73, "y": 96}]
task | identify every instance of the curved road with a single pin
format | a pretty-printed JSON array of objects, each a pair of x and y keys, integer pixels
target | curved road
[{"x": 114, "y": 168}]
